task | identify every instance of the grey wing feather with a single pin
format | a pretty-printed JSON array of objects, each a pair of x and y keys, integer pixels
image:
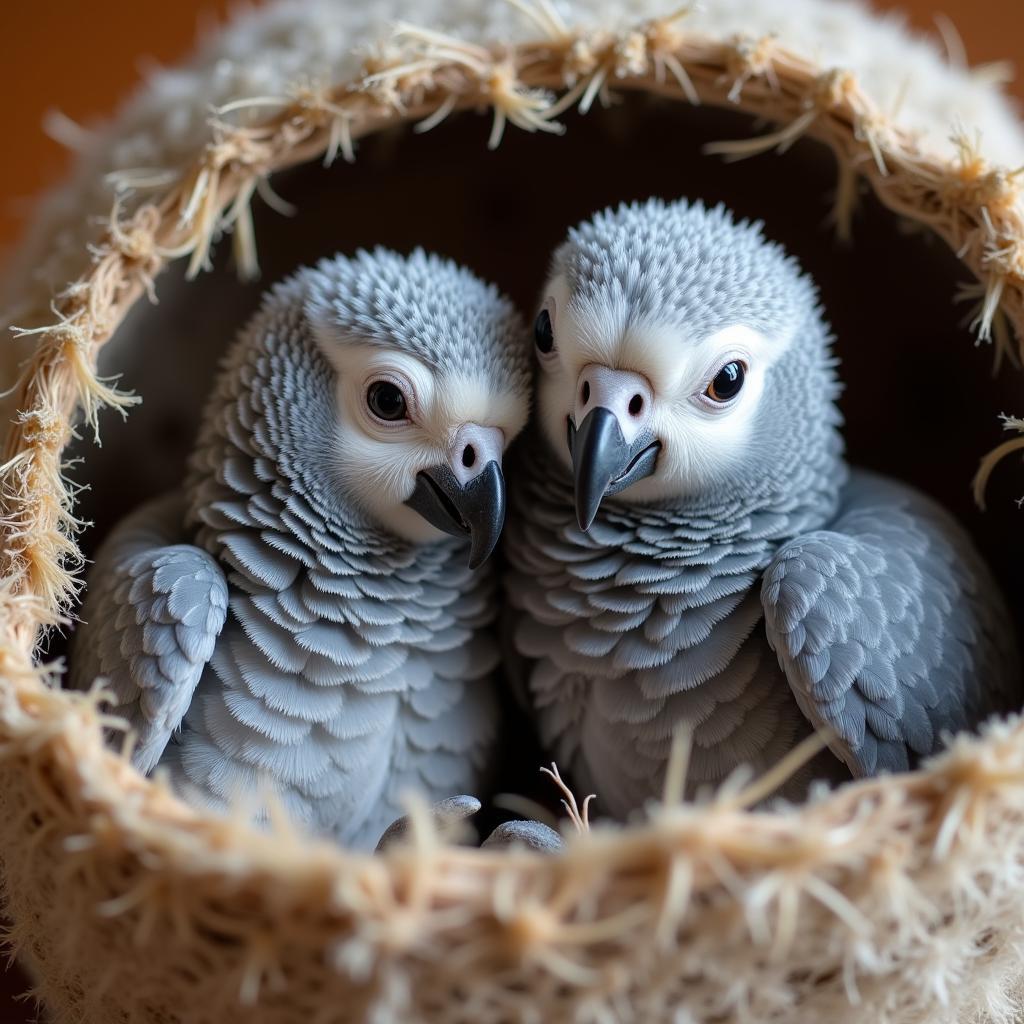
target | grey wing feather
[
  {"x": 152, "y": 614},
  {"x": 889, "y": 628}
]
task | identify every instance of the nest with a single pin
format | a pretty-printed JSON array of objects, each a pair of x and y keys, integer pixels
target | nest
[{"x": 895, "y": 899}]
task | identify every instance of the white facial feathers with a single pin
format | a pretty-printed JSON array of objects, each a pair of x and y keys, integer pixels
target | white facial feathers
[
  {"x": 698, "y": 435},
  {"x": 380, "y": 460},
  {"x": 437, "y": 403}
]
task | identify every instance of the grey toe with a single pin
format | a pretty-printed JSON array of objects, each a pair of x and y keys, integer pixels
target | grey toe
[
  {"x": 444, "y": 813},
  {"x": 532, "y": 834}
]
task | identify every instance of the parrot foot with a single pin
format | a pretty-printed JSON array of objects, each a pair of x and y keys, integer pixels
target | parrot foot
[
  {"x": 533, "y": 835},
  {"x": 444, "y": 814}
]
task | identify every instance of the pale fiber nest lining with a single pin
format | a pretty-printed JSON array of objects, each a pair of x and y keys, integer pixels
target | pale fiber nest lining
[{"x": 894, "y": 900}]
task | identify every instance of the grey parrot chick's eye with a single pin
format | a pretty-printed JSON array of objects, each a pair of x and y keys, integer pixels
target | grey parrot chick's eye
[
  {"x": 543, "y": 334},
  {"x": 727, "y": 383},
  {"x": 386, "y": 401}
]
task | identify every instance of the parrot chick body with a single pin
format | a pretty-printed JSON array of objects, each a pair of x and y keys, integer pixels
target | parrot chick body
[
  {"x": 304, "y": 612},
  {"x": 699, "y": 556}
]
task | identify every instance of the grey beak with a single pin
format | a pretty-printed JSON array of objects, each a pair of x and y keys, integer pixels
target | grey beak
[
  {"x": 476, "y": 509},
  {"x": 603, "y": 463},
  {"x": 599, "y": 454}
]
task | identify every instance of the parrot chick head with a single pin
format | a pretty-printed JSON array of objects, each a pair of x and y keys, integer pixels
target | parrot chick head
[
  {"x": 433, "y": 383},
  {"x": 681, "y": 354}
]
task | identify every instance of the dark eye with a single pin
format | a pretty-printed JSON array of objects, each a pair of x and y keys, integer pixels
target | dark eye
[
  {"x": 727, "y": 382},
  {"x": 386, "y": 400},
  {"x": 543, "y": 335}
]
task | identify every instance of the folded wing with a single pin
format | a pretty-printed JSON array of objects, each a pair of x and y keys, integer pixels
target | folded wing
[{"x": 151, "y": 618}]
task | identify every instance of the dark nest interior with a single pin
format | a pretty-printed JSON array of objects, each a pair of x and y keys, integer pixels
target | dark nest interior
[{"x": 921, "y": 401}]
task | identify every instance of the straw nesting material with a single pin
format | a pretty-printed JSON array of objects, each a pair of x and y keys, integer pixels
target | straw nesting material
[{"x": 896, "y": 899}]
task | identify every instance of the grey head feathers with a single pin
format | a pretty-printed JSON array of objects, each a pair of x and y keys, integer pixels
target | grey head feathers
[
  {"x": 687, "y": 265},
  {"x": 423, "y": 304},
  {"x": 648, "y": 287}
]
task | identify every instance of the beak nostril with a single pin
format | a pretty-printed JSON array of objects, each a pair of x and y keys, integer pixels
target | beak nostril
[
  {"x": 468, "y": 456},
  {"x": 636, "y": 404},
  {"x": 586, "y": 391}
]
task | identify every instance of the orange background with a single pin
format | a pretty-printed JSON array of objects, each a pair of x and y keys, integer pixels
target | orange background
[{"x": 81, "y": 58}]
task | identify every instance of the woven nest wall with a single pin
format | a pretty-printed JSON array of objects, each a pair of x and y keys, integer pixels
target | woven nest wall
[{"x": 896, "y": 899}]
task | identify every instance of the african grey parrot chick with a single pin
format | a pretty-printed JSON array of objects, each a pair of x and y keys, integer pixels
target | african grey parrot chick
[
  {"x": 698, "y": 554},
  {"x": 304, "y": 612}
]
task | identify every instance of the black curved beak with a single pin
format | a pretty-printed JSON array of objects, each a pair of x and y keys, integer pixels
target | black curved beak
[
  {"x": 476, "y": 509},
  {"x": 603, "y": 463}
]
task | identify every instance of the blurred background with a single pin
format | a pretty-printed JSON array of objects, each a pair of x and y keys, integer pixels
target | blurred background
[{"x": 82, "y": 59}]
